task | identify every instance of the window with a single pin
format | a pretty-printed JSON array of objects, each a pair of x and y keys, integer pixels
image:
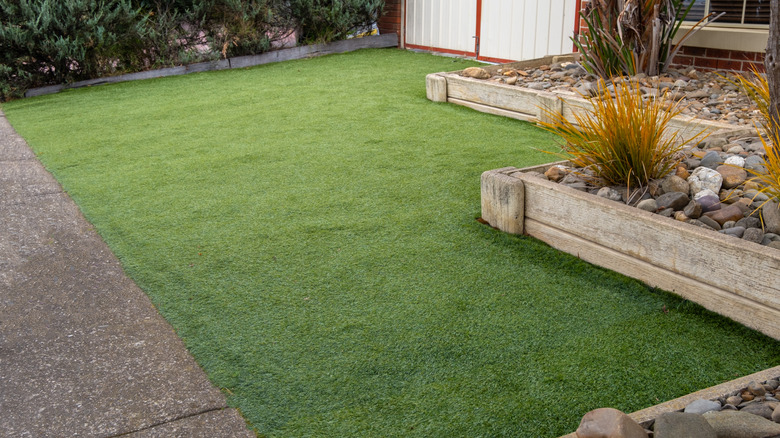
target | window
[{"x": 750, "y": 12}]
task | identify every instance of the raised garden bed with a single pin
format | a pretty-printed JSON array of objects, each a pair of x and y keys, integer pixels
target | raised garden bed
[
  {"x": 711, "y": 269},
  {"x": 646, "y": 416},
  {"x": 527, "y": 104}
]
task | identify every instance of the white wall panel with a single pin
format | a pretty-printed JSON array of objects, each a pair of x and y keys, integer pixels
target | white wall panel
[
  {"x": 510, "y": 29},
  {"x": 526, "y": 29},
  {"x": 443, "y": 24}
]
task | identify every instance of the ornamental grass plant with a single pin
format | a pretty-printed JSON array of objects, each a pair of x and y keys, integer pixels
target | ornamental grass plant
[
  {"x": 625, "y": 140},
  {"x": 757, "y": 88}
]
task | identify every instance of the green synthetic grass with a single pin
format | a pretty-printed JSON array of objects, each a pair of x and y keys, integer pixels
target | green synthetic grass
[{"x": 309, "y": 230}]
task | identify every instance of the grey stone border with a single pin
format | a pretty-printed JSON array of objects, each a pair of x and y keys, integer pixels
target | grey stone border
[
  {"x": 646, "y": 416},
  {"x": 369, "y": 42}
]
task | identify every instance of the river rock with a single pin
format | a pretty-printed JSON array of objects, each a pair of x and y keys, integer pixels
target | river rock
[
  {"x": 680, "y": 424},
  {"x": 709, "y": 202},
  {"x": 732, "y": 176},
  {"x": 610, "y": 193},
  {"x": 674, "y": 183},
  {"x": 734, "y": 400},
  {"x": 776, "y": 414},
  {"x": 609, "y": 423},
  {"x": 760, "y": 409},
  {"x": 711, "y": 160},
  {"x": 738, "y": 424},
  {"x": 704, "y": 178},
  {"x": 771, "y": 214},
  {"x": 754, "y": 235},
  {"x": 756, "y": 388},
  {"x": 556, "y": 173},
  {"x": 648, "y": 205},
  {"x": 735, "y": 160},
  {"x": 710, "y": 223},
  {"x": 673, "y": 200},
  {"x": 733, "y": 231},
  {"x": 729, "y": 213},
  {"x": 693, "y": 210},
  {"x": 476, "y": 73},
  {"x": 701, "y": 406}
]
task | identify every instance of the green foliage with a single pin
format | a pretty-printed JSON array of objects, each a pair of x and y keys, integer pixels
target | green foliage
[
  {"x": 633, "y": 37},
  {"x": 321, "y": 21},
  {"x": 236, "y": 27},
  {"x": 43, "y": 41},
  {"x": 624, "y": 140},
  {"x": 320, "y": 258},
  {"x": 49, "y": 42}
]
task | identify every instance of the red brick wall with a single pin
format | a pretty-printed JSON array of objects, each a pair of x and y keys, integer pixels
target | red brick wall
[
  {"x": 390, "y": 21},
  {"x": 718, "y": 59},
  {"x": 707, "y": 59}
]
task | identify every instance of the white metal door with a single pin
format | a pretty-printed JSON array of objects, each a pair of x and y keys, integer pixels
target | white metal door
[
  {"x": 446, "y": 25},
  {"x": 493, "y": 30},
  {"x": 526, "y": 29}
]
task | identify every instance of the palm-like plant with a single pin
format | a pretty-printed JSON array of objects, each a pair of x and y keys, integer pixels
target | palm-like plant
[{"x": 634, "y": 36}]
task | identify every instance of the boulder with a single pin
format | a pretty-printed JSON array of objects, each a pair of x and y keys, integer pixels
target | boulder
[
  {"x": 680, "y": 424},
  {"x": 738, "y": 424},
  {"x": 609, "y": 423}
]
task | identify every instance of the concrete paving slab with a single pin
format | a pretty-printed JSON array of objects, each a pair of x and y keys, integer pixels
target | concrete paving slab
[
  {"x": 83, "y": 352},
  {"x": 214, "y": 424}
]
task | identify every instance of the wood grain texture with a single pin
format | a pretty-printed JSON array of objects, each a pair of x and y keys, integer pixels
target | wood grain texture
[
  {"x": 502, "y": 96},
  {"x": 758, "y": 316},
  {"x": 743, "y": 268}
]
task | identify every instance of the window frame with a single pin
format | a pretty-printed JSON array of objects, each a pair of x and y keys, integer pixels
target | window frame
[{"x": 742, "y": 25}]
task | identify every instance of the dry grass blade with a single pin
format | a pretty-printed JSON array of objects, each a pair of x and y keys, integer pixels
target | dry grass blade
[{"x": 625, "y": 140}]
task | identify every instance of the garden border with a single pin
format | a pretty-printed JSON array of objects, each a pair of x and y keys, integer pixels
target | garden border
[
  {"x": 645, "y": 417},
  {"x": 531, "y": 105},
  {"x": 692, "y": 262},
  {"x": 343, "y": 46}
]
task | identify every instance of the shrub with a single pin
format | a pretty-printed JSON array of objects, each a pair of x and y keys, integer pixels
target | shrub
[
  {"x": 236, "y": 28},
  {"x": 321, "y": 21},
  {"x": 623, "y": 140},
  {"x": 61, "y": 41}
]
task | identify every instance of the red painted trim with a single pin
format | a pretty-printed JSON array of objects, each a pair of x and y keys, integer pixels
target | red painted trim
[
  {"x": 496, "y": 60},
  {"x": 577, "y": 23},
  {"x": 403, "y": 24},
  {"x": 479, "y": 28},
  {"x": 437, "y": 49}
]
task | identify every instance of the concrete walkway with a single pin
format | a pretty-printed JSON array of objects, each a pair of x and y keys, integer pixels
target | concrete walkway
[{"x": 82, "y": 350}]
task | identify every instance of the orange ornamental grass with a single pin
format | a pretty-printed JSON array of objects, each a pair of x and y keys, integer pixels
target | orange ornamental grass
[
  {"x": 624, "y": 140},
  {"x": 757, "y": 88},
  {"x": 770, "y": 180}
]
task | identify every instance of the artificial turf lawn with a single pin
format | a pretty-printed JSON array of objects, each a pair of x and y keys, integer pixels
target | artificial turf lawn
[{"x": 309, "y": 230}]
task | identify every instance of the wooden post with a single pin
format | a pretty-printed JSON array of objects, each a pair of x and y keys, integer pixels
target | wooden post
[{"x": 772, "y": 62}]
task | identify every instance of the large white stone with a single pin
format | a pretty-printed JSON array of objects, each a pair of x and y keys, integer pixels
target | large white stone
[
  {"x": 735, "y": 160},
  {"x": 704, "y": 178}
]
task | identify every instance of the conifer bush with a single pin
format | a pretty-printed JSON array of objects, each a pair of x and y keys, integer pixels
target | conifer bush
[{"x": 43, "y": 42}]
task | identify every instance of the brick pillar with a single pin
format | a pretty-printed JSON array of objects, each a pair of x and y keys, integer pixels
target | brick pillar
[{"x": 390, "y": 21}]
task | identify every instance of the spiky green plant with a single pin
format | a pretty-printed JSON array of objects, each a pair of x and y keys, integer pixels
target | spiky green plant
[
  {"x": 624, "y": 140},
  {"x": 630, "y": 37}
]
